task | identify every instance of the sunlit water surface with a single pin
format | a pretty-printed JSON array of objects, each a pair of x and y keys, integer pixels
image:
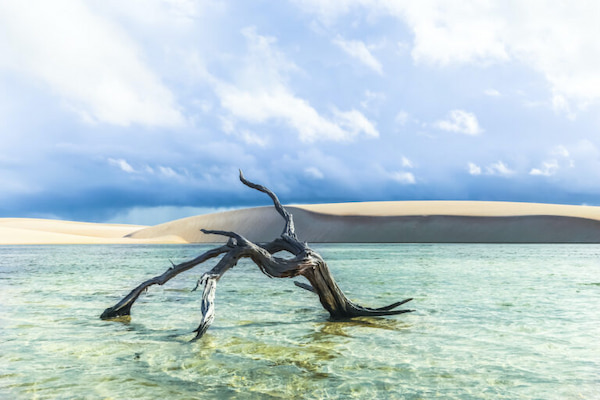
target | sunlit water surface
[{"x": 491, "y": 322}]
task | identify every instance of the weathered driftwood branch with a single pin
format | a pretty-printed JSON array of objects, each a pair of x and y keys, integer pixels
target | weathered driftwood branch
[{"x": 303, "y": 261}]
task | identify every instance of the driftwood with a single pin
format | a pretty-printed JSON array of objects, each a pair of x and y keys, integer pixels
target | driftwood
[{"x": 304, "y": 261}]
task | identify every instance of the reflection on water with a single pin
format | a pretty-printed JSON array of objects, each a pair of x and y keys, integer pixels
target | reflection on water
[{"x": 492, "y": 321}]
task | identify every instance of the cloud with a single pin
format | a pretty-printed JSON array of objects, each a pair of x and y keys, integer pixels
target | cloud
[
  {"x": 355, "y": 123},
  {"x": 403, "y": 177},
  {"x": 402, "y": 118},
  {"x": 372, "y": 99},
  {"x": 86, "y": 61},
  {"x": 558, "y": 40},
  {"x": 474, "y": 169},
  {"x": 274, "y": 100},
  {"x": 360, "y": 51},
  {"x": 252, "y": 138},
  {"x": 555, "y": 40},
  {"x": 445, "y": 34},
  {"x": 492, "y": 93},
  {"x": 314, "y": 173},
  {"x": 122, "y": 164},
  {"x": 499, "y": 168},
  {"x": 281, "y": 105},
  {"x": 168, "y": 172},
  {"x": 551, "y": 167},
  {"x": 548, "y": 168},
  {"x": 406, "y": 163},
  {"x": 147, "y": 170},
  {"x": 460, "y": 121},
  {"x": 561, "y": 106},
  {"x": 560, "y": 151},
  {"x": 245, "y": 135},
  {"x": 166, "y": 14}
]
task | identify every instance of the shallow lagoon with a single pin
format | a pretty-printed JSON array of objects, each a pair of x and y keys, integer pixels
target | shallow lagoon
[{"x": 491, "y": 322}]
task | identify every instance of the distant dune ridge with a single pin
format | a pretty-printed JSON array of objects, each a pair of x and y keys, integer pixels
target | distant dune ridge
[
  {"x": 401, "y": 222},
  {"x": 395, "y": 222},
  {"x": 47, "y": 231}
]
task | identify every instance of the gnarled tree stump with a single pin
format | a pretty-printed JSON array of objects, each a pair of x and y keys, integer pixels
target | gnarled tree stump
[{"x": 304, "y": 261}]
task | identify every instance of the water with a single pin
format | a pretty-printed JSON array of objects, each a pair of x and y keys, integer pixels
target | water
[{"x": 492, "y": 322}]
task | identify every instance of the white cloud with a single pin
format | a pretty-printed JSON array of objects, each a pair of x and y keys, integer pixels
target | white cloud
[
  {"x": 247, "y": 136},
  {"x": 262, "y": 95},
  {"x": 403, "y": 177},
  {"x": 551, "y": 167},
  {"x": 401, "y": 117},
  {"x": 561, "y": 106},
  {"x": 474, "y": 169},
  {"x": 360, "y": 51},
  {"x": 372, "y": 99},
  {"x": 499, "y": 168},
  {"x": 227, "y": 124},
  {"x": 446, "y": 34},
  {"x": 122, "y": 164},
  {"x": 561, "y": 151},
  {"x": 328, "y": 11},
  {"x": 280, "y": 104},
  {"x": 252, "y": 138},
  {"x": 168, "y": 172},
  {"x": 555, "y": 39},
  {"x": 264, "y": 66},
  {"x": 406, "y": 163},
  {"x": 492, "y": 92},
  {"x": 355, "y": 123},
  {"x": 87, "y": 61},
  {"x": 548, "y": 168},
  {"x": 314, "y": 173},
  {"x": 167, "y": 14},
  {"x": 460, "y": 121},
  {"x": 160, "y": 170}
]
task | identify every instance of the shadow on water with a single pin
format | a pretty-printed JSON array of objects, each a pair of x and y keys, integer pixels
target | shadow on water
[
  {"x": 324, "y": 328},
  {"x": 147, "y": 333},
  {"x": 123, "y": 319},
  {"x": 345, "y": 327}
]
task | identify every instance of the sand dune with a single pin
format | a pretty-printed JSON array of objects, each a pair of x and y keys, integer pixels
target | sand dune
[
  {"x": 401, "y": 222},
  {"x": 46, "y": 231},
  {"x": 405, "y": 221}
]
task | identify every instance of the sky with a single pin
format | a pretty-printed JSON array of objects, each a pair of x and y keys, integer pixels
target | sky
[{"x": 144, "y": 111}]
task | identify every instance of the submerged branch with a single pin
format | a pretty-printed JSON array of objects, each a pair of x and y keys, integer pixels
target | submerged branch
[{"x": 208, "y": 304}]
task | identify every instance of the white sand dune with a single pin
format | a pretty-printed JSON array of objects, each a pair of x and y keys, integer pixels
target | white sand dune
[
  {"x": 401, "y": 222},
  {"x": 46, "y": 231}
]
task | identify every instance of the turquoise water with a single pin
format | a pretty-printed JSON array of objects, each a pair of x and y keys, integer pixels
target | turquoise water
[{"x": 491, "y": 322}]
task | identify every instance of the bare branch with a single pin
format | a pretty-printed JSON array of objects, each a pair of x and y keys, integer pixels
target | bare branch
[
  {"x": 124, "y": 306},
  {"x": 289, "y": 229},
  {"x": 231, "y": 235},
  {"x": 305, "y": 286}
]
